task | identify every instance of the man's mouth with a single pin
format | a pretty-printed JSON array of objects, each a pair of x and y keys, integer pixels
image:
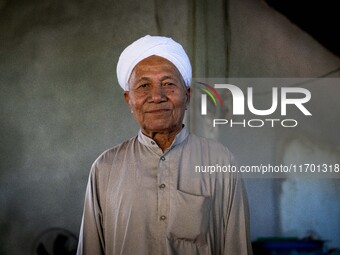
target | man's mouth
[{"x": 158, "y": 111}]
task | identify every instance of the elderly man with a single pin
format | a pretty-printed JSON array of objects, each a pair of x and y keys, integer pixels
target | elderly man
[{"x": 143, "y": 196}]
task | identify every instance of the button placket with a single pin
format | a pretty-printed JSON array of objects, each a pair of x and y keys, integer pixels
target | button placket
[{"x": 163, "y": 193}]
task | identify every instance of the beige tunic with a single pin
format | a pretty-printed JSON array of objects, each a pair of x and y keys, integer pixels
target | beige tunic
[{"x": 140, "y": 200}]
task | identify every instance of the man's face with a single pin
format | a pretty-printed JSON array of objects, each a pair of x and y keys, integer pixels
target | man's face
[{"x": 158, "y": 97}]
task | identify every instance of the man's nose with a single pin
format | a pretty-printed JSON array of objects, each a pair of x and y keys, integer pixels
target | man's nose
[{"x": 158, "y": 93}]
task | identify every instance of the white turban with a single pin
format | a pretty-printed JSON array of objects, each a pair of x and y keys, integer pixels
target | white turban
[{"x": 152, "y": 45}]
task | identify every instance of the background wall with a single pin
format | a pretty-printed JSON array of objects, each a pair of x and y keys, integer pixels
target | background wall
[
  {"x": 263, "y": 43},
  {"x": 61, "y": 105}
]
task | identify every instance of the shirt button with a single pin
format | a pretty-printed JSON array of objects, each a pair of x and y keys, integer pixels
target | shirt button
[
  {"x": 162, "y": 158},
  {"x": 152, "y": 142},
  {"x": 162, "y": 186},
  {"x": 162, "y": 217}
]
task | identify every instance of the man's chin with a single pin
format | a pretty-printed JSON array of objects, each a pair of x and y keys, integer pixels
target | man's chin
[{"x": 161, "y": 128}]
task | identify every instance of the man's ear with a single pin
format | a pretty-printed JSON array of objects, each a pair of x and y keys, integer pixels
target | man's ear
[
  {"x": 127, "y": 97},
  {"x": 188, "y": 94}
]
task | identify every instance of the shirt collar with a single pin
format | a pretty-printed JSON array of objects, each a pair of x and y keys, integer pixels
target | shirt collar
[{"x": 147, "y": 141}]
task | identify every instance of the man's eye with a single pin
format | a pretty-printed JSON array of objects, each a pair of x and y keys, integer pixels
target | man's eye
[
  {"x": 143, "y": 86},
  {"x": 168, "y": 84}
]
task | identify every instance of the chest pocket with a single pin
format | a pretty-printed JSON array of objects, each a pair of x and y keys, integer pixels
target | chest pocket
[{"x": 189, "y": 220}]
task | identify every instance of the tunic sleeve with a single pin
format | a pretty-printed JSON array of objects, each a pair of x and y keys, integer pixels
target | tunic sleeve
[
  {"x": 236, "y": 232},
  {"x": 91, "y": 240}
]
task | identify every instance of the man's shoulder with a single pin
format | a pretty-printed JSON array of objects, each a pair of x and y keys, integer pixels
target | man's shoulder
[
  {"x": 204, "y": 141},
  {"x": 114, "y": 153},
  {"x": 211, "y": 147}
]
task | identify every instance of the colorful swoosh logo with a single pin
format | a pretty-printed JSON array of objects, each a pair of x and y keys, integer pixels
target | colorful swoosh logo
[{"x": 211, "y": 92}]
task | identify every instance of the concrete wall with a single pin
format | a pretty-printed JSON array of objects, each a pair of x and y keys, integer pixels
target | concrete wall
[{"x": 61, "y": 106}]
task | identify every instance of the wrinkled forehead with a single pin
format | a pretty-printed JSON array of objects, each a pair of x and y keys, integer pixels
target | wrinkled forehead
[{"x": 155, "y": 67}]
